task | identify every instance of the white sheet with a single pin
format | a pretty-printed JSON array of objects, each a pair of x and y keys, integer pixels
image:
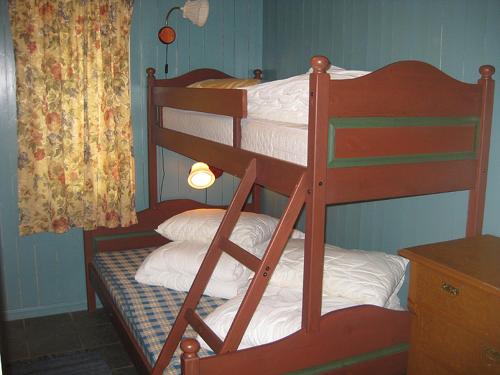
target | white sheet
[{"x": 279, "y": 140}]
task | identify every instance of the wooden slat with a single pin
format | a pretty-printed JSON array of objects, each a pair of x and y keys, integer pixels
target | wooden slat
[
  {"x": 123, "y": 242},
  {"x": 231, "y": 160},
  {"x": 203, "y": 330},
  {"x": 190, "y": 77},
  {"x": 399, "y": 180},
  {"x": 226, "y": 102},
  {"x": 241, "y": 255}
]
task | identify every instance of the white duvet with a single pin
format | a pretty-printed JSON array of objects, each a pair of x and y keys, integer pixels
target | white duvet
[
  {"x": 351, "y": 277},
  {"x": 279, "y": 314},
  {"x": 287, "y": 100}
]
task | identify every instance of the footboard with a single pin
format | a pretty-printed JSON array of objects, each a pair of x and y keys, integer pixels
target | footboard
[{"x": 358, "y": 340}]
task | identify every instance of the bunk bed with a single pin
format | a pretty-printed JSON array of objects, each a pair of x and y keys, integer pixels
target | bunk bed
[{"x": 404, "y": 130}]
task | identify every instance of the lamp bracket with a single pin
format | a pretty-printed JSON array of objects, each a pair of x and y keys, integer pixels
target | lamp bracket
[{"x": 170, "y": 12}]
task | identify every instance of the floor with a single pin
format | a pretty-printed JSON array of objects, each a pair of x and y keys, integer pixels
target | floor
[{"x": 55, "y": 334}]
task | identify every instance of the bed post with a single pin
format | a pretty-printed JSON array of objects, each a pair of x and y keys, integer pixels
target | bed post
[
  {"x": 88, "y": 252},
  {"x": 316, "y": 195},
  {"x": 151, "y": 119},
  {"x": 477, "y": 193},
  {"x": 190, "y": 362},
  {"x": 237, "y": 132}
]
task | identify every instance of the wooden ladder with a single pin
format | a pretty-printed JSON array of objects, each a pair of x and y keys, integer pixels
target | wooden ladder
[{"x": 263, "y": 269}]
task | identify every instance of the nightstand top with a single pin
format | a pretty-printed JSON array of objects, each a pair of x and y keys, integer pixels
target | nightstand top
[{"x": 478, "y": 258}]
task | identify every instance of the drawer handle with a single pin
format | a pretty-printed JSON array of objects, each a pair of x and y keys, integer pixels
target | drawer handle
[
  {"x": 492, "y": 355},
  {"x": 448, "y": 288}
]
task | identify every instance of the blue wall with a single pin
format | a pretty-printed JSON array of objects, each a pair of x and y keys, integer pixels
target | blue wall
[
  {"x": 455, "y": 35},
  {"x": 44, "y": 274}
]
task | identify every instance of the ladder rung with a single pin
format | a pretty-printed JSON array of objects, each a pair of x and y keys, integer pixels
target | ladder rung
[
  {"x": 204, "y": 330},
  {"x": 244, "y": 257}
]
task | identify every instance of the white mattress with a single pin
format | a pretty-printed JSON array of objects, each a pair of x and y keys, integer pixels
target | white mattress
[{"x": 281, "y": 140}]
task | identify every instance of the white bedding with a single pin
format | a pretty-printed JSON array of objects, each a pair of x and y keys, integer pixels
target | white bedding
[
  {"x": 175, "y": 265},
  {"x": 277, "y": 118},
  {"x": 278, "y": 315},
  {"x": 287, "y": 100},
  {"x": 367, "y": 277},
  {"x": 285, "y": 141},
  {"x": 351, "y": 277}
]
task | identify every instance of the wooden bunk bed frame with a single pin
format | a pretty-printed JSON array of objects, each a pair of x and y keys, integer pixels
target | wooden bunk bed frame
[{"x": 405, "y": 130}]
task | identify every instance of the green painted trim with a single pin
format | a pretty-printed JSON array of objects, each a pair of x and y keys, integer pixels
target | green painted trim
[
  {"x": 401, "y": 159},
  {"x": 337, "y": 364},
  {"x": 331, "y": 145},
  {"x": 387, "y": 122},
  {"x": 97, "y": 239}
]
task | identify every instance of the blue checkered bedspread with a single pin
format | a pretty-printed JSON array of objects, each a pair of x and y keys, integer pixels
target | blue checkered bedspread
[{"x": 149, "y": 311}]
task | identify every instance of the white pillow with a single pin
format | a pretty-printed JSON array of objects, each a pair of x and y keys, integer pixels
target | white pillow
[
  {"x": 175, "y": 264},
  {"x": 367, "y": 277},
  {"x": 201, "y": 225},
  {"x": 181, "y": 282}
]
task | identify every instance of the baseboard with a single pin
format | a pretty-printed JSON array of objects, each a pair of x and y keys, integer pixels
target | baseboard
[{"x": 33, "y": 312}]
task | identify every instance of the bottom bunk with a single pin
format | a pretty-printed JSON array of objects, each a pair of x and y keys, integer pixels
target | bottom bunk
[
  {"x": 148, "y": 311},
  {"x": 352, "y": 339}
]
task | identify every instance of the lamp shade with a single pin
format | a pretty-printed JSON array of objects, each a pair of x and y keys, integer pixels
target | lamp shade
[
  {"x": 200, "y": 176},
  {"x": 196, "y": 11}
]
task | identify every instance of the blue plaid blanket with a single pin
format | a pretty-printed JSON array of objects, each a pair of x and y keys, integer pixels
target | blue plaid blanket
[{"x": 149, "y": 311}]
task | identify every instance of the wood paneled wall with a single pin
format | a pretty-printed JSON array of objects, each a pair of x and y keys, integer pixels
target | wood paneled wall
[
  {"x": 44, "y": 274},
  {"x": 455, "y": 35},
  {"x": 231, "y": 41}
]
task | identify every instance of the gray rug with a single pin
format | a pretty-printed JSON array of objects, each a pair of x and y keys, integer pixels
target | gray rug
[{"x": 74, "y": 363}]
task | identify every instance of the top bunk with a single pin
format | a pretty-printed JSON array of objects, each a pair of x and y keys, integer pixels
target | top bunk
[{"x": 406, "y": 129}]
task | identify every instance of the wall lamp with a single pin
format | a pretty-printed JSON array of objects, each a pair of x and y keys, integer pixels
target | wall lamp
[
  {"x": 194, "y": 10},
  {"x": 202, "y": 176}
]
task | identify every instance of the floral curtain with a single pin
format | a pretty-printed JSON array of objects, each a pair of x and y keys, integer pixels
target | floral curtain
[{"x": 75, "y": 162}]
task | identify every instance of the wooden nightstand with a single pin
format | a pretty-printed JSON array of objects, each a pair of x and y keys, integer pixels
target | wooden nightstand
[{"x": 454, "y": 299}]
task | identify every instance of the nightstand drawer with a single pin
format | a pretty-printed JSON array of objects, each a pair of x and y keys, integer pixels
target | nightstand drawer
[
  {"x": 462, "y": 351},
  {"x": 456, "y": 300}
]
